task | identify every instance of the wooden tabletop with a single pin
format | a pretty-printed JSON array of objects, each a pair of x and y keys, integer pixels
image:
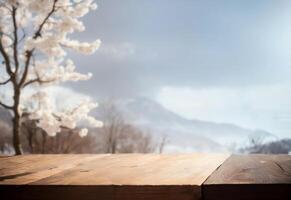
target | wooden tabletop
[
  {"x": 245, "y": 177},
  {"x": 128, "y": 176},
  {"x": 146, "y": 176}
]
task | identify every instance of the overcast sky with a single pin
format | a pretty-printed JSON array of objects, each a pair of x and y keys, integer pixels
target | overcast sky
[{"x": 215, "y": 60}]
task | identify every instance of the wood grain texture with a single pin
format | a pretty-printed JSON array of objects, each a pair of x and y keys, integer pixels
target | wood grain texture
[
  {"x": 138, "y": 169},
  {"x": 30, "y": 168},
  {"x": 248, "y": 177},
  {"x": 127, "y": 176}
]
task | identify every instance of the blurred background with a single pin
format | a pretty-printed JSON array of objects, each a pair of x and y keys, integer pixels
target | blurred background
[{"x": 179, "y": 76}]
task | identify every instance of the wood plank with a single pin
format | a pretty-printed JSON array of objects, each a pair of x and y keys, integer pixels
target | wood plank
[
  {"x": 139, "y": 169},
  {"x": 128, "y": 176},
  {"x": 247, "y": 177},
  {"x": 30, "y": 168}
]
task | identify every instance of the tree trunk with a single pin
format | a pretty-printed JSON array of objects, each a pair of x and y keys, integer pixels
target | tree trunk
[
  {"x": 43, "y": 142},
  {"x": 16, "y": 124},
  {"x": 16, "y": 134},
  {"x": 30, "y": 140}
]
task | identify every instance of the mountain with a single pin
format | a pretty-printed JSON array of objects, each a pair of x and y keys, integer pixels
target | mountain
[{"x": 185, "y": 135}]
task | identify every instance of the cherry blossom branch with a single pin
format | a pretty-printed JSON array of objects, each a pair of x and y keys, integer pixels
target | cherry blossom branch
[
  {"x": 38, "y": 32},
  {"x": 37, "y": 80},
  {"x": 36, "y": 35}
]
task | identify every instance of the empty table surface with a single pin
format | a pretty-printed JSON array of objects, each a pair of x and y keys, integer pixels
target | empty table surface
[{"x": 105, "y": 176}]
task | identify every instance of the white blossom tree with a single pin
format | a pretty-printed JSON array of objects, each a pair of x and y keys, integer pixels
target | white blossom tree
[{"x": 34, "y": 39}]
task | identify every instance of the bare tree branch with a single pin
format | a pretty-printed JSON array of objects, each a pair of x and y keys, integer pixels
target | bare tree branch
[
  {"x": 15, "y": 42},
  {"x": 6, "y": 58},
  {"x": 26, "y": 67},
  {"x": 6, "y": 106},
  {"x": 2, "y": 4},
  {"x": 5, "y": 82}
]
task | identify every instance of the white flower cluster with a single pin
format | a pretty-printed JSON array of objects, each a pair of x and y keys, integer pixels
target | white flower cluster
[
  {"x": 52, "y": 71},
  {"x": 84, "y": 47},
  {"x": 48, "y": 25},
  {"x": 52, "y": 121}
]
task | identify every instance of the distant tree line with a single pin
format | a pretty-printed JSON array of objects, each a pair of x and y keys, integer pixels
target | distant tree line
[
  {"x": 258, "y": 146},
  {"x": 116, "y": 136}
]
